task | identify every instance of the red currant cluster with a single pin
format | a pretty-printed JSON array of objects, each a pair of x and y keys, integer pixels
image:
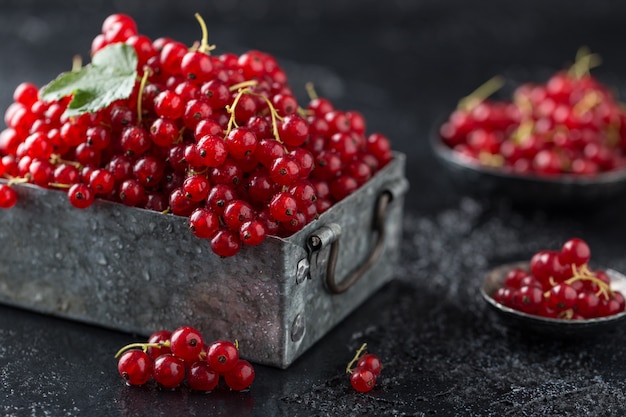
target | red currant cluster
[
  {"x": 367, "y": 369},
  {"x": 561, "y": 285},
  {"x": 219, "y": 139},
  {"x": 572, "y": 124},
  {"x": 170, "y": 358}
]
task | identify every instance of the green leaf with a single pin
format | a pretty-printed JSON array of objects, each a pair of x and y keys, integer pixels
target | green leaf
[{"x": 110, "y": 76}]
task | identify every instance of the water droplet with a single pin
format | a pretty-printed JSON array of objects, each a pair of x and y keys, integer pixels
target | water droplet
[{"x": 100, "y": 258}]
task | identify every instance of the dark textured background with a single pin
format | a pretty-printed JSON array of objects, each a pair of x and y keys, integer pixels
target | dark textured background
[{"x": 403, "y": 64}]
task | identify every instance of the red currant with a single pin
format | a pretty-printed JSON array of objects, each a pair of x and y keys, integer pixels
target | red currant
[{"x": 135, "y": 367}]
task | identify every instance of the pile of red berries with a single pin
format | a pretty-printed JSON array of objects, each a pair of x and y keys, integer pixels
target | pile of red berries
[
  {"x": 170, "y": 358},
  {"x": 561, "y": 285},
  {"x": 572, "y": 124},
  {"x": 219, "y": 139},
  {"x": 367, "y": 369}
]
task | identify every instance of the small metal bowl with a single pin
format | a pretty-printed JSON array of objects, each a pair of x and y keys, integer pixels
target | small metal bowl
[
  {"x": 557, "y": 327},
  {"x": 533, "y": 190}
]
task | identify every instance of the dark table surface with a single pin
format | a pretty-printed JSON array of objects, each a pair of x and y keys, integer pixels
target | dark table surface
[{"x": 403, "y": 65}]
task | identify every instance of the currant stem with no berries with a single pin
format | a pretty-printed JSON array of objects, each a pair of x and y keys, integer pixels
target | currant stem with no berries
[
  {"x": 204, "y": 43},
  {"x": 142, "y": 346},
  {"x": 356, "y": 357},
  {"x": 584, "y": 62},
  {"x": 142, "y": 84},
  {"x": 244, "y": 88},
  {"x": 585, "y": 274},
  {"x": 479, "y": 95}
]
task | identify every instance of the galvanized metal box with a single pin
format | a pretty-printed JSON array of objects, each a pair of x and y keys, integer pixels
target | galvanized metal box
[{"x": 139, "y": 271}]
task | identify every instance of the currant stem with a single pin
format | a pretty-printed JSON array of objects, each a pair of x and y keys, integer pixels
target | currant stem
[
  {"x": 142, "y": 84},
  {"x": 243, "y": 84},
  {"x": 204, "y": 43},
  {"x": 273, "y": 114},
  {"x": 310, "y": 90},
  {"x": 584, "y": 62},
  {"x": 58, "y": 185},
  {"x": 142, "y": 346},
  {"x": 524, "y": 131},
  {"x": 231, "y": 109},
  {"x": 55, "y": 159},
  {"x": 357, "y": 355},
  {"x": 17, "y": 180},
  {"x": 485, "y": 90},
  {"x": 77, "y": 63},
  {"x": 585, "y": 274}
]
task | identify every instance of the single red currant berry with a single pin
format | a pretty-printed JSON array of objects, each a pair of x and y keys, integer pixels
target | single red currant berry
[
  {"x": 162, "y": 338},
  {"x": 179, "y": 204},
  {"x": 529, "y": 299},
  {"x": 164, "y": 132},
  {"x": 371, "y": 362},
  {"x": 195, "y": 112},
  {"x": 201, "y": 377},
  {"x": 8, "y": 196},
  {"x": 203, "y": 222},
  {"x": 26, "y": 93},
  {"x": 575, "y": 252},
  {"x": 562, "y": 297},
  {"x": 222, "y": 355},
  {"x": 211, "y": 150},
  {"x": 101, "y": 181},
  {"x": 240, "y": 376},
  {"x": 135, "y": 367},
  {"x": 283, "y": 207},
  {"x": 132, "y": 193},
  {"x": 186, "y": 343},
  {"x": 285, "y": 170},
  {"x": 362, "y": 379},
  {"x": 80, "y": 195},
  {"x": 236, "y": 213},
  {"x": 169, "y": 371},
  {"x": 149, "y": 170},
  {"x": 252, "y": 232},
  {"x": 135, "y": 140},
  {"x": 196, "y": 66},
  {"x": 320, "y": 106},
  {"x": 169, "y": 105},
  {"x": 343, "y": 186},
  {"x": 196, "y": 187},
  {"x": 225, "y": 243},
  {"x": 241, "y": 142},
  {"x": 216, "y": 93},
  {"x": 587, "y": 304},
  {"x": 171, "y": 56}
]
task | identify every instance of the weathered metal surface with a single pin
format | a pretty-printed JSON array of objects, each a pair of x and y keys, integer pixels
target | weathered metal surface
[{"x": 139, "y": 271}]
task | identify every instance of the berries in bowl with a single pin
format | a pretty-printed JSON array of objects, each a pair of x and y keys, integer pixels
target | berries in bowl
[
  {"x": 555, "y": 142},
  {"x": 557, "y": 291}
]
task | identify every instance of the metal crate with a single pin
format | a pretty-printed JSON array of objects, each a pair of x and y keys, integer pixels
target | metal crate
[{"x": 139, "y": 271}]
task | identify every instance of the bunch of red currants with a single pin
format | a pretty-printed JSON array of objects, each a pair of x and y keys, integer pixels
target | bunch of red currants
[
  {"x": 170, "y": 358},
  {"x": 561, "y": 285},
  {"x": 219, "y": 139},
  {"x": 571, "y": 124}
]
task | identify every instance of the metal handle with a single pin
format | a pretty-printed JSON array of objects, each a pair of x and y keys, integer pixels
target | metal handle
[{"x": 331, "y": 234}]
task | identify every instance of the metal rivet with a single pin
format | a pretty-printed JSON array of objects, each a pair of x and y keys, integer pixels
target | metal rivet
[
  {"x": 303, "y": 270},
  {"x": 297, "y": 328}
]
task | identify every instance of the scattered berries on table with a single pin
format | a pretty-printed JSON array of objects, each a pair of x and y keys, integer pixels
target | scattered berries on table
[
  {"x": 571, "y": 124},
  {"x": 173, "y": 358},
  {"x": 217, "y": 138},
  {"x": 560, "y": 284},
  {"x": 364, "y": 369}
]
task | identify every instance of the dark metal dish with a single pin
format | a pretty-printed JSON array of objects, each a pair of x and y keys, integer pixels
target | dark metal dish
[
  {"x": 561, "y": 190},
  {"x": 494, "y": 280}
]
